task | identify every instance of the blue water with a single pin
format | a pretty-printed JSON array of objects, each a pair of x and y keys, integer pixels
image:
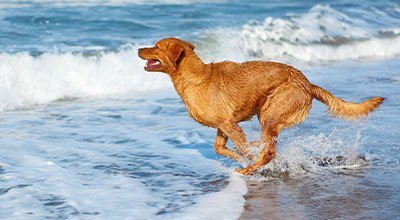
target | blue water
[
  {"x": 86, "y": 133},
  {"x": 40, "y": 27}
]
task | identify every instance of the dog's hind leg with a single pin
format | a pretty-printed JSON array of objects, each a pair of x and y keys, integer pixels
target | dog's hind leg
[
  {"x": 221, "y": 149},
  {"x": 286, "y": 107}
]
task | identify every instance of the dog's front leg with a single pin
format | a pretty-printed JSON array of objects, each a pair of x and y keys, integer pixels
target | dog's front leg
[
  {"x": 235, "y": 133},
  {"x": 221, "y": 149}
]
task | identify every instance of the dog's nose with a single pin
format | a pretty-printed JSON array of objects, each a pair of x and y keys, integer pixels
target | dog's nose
[{"x": 140, "y": 51}]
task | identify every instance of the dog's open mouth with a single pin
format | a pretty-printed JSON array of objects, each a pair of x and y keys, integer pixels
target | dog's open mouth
[{"x": 152, "y": 64}]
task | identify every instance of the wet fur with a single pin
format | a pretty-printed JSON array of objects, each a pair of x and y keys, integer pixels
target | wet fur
[{"x": 220, "y": 95}]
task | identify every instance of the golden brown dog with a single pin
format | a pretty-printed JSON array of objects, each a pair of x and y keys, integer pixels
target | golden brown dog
[{"x": 220, "y": 95}]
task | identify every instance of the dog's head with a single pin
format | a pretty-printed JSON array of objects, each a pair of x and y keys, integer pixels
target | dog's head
[{"x": 166, "y": 55}]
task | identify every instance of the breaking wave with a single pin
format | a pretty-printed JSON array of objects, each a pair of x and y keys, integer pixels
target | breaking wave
[
  {"x": 27, "y": 80},
  {"x": 322, "y": 34}
]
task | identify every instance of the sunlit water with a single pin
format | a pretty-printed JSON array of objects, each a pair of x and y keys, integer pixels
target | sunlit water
[{"x": 85, "y": 133}]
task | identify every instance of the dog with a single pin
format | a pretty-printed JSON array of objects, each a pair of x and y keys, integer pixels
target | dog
[{"x": 220, "y": 95}]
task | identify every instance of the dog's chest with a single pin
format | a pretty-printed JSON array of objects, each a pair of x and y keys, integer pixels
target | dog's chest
[{"x": 200, "y": 108}]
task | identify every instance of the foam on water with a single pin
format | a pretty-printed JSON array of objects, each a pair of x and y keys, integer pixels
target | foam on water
[
  {"x": 322, "y": 34},
  {"x": 225, "y": 204},
  {"x": 65, "y": 163},
  {"x": 26, "y": 80}
]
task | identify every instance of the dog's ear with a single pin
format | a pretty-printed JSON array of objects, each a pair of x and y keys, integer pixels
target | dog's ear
[
  {"x": 175, "y": 51},
  {"x": 190, "y": 45}
]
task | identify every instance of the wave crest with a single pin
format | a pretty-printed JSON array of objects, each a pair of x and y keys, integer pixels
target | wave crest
[
  {"x": 321, "y": 24},
  {"x": 322, "y": 34},
  {"x": 26, "y": 80}
]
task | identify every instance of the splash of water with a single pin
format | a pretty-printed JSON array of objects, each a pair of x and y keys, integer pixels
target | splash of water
[{"x": 307, "y": 154}]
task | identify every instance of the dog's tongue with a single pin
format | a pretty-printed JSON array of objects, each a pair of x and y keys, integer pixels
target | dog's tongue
[{"x": 151, "y": 62}]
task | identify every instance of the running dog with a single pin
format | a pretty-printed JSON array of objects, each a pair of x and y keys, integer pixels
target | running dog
[{"x": 220, "y": 95}]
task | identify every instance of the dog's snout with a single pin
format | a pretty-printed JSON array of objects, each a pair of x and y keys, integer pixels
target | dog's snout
[{"x": 141, "y": 52}]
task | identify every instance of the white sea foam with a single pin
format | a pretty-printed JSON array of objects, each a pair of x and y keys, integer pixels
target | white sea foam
[
  {"x": 118, "y": 168},
  {"x": 225, "y": 204},
  {"x": 26, "y": 80},
  {"x": 322, "y": 34},
  {"x": 320, "y": 24},
  {"x": 85, "y": 192}
]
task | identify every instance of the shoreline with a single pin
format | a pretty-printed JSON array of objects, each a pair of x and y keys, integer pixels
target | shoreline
[{"x": 263, "y": 203}]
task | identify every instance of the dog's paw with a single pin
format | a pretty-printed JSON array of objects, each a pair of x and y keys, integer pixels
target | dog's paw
[
  {"x": 250, "y": 157},
  {"x": 244, "y": 171},
  {"x": 256, "y": 144}
]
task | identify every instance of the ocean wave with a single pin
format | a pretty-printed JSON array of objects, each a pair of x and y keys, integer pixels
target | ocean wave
[
  {"x": 322, "y": 34},
  {"x": 60, "y": 3},
  {"x": 26, "y": 80}
]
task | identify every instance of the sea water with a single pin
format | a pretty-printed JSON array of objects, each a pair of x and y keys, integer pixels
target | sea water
[{"x": 86, "y": 133}]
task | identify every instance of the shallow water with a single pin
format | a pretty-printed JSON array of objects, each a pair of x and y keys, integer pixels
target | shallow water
[
  {"x": 86, "y": 133},
  {"x": 363, "y": 183},
  {"x": 111, "y": 157}
]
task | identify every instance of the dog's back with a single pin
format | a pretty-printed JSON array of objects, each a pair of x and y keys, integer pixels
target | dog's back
[{"x": 223, "y": 94}]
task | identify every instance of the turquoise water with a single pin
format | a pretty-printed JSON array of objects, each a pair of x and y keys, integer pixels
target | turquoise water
[{"x": 86, "y": 133}]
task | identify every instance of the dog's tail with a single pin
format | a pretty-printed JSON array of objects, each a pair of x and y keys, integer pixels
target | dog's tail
[{"x": 344, "y": 109}]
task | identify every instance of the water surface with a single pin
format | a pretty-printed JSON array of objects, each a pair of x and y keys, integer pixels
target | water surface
[{"x": 86, "y": 133}]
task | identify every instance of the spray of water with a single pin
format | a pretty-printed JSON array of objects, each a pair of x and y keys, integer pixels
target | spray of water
[{"x": 313, "y": 154}]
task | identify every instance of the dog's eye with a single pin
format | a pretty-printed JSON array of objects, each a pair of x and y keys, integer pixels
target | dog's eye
[{"x": 161, "y": 46}]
